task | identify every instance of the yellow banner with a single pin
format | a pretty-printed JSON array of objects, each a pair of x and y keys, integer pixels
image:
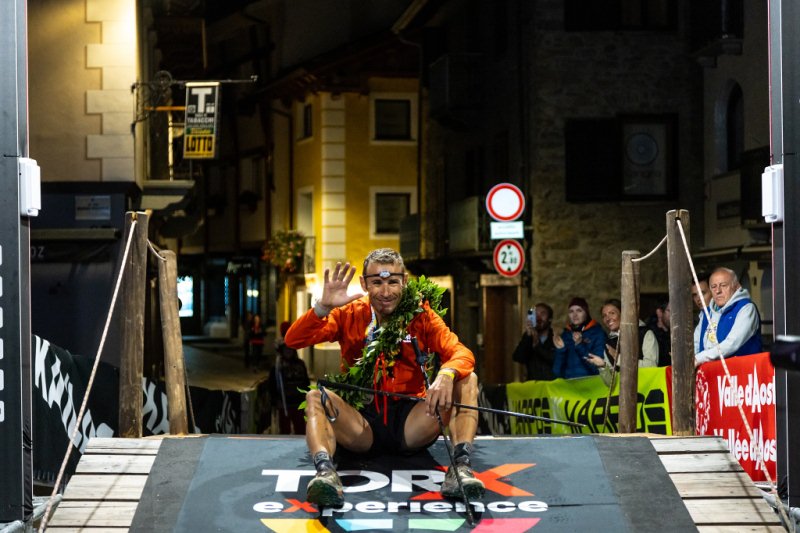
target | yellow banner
[{"x": 584, "y": 400}]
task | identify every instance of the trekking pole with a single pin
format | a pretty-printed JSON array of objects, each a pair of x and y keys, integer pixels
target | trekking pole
[
  {"x": 447, "y": 438},
  {"x": 279, "y": 379},
  {"x": 348, "y": 387}
]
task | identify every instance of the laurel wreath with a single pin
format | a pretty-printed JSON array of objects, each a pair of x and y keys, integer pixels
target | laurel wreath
[{"x": 387, "y": 342}]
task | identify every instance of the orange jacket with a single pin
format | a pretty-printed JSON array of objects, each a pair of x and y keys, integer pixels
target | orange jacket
[{"x": 348, "y": 325}]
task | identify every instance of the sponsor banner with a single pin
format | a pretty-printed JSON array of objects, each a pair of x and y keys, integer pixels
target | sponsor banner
[
  {"x": 202, "y": 120},
  {"x": 584, "y": 400},
  {"x": 752, "y": 384},
  {"x": 59, "y": 385},
  {"x": 253, "y": 483}
]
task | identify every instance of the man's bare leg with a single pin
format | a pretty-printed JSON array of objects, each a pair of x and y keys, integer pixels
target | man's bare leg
[
  {"x": 463, "y": 426},
  {"x": 349, "y": 429}
]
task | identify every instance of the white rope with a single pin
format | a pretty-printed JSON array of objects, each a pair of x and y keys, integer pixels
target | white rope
[
  {"x": 43, "y": 525},
  {"x": 654, "y": 250},
  {"x": 156, "y": 251},
  {"x": 712, "y": 329}
]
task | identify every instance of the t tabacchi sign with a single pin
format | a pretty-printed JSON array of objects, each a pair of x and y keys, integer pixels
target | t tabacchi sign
[{"x": 202, "y": 120}]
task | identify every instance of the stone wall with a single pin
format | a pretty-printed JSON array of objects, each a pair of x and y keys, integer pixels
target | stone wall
[{"x": 578, "y": 246}]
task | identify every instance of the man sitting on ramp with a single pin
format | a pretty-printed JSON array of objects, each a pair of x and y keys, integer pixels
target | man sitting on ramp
[{"x": 375, "y": 333}]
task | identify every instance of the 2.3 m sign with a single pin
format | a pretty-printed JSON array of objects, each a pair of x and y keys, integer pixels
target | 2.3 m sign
[{"x": 202, "y": 122}]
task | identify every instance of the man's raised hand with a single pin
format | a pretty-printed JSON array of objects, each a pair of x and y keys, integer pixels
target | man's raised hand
[{"x": 334, "y": 290}]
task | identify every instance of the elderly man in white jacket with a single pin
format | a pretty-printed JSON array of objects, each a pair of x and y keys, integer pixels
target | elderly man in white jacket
[{"x": 735, "y": 327}]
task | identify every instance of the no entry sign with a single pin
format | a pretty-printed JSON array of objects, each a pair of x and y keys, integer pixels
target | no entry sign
[
  {"x": 509, "y": 258},
  {"x": 505, "y": 202}
]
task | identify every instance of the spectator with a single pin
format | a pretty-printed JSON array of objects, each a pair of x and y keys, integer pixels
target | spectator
[
  {"x": 247, "y": 323},
  {"x": 648, "y": 344},
  {"x": 582, "y": 336},
  {"x": 536, "y": 349},
  {"x": 659, "y": 325},
  {"x": 706, "y": 293},
  {"x": 735, "y": 327},
  {"x": 287, "y": 381},
  {"x": 256, "y": 341}
]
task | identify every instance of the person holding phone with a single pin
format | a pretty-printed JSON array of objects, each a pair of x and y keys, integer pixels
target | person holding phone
[{"x": 535, "y": 349}]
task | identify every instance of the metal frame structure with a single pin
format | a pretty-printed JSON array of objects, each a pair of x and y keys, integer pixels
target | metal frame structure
[
  {"x": 16, "y": 466},
  {"x": 784, "y": 43}
]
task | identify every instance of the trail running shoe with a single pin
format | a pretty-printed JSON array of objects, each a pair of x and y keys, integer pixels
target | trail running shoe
[
  {"x": 473, "y": 486},
  {"x": 325, "y": 489}
]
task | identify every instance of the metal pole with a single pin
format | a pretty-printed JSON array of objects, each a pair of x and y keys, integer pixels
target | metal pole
[
  {"x": 681, "y": 333},
  {"x": 16, "y": 466},
  {"x": 628, "y": 354}
]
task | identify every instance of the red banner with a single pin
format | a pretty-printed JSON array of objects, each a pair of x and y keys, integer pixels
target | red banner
[{"x": 752, "y": 384}]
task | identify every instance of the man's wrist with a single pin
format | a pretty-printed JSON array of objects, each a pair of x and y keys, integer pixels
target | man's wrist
[
  {"x": 448, "y": 372},
  {"x": 321, "y": 310}
]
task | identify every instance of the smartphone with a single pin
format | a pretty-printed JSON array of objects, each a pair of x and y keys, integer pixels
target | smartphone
[{"x": 532, "y": 317}]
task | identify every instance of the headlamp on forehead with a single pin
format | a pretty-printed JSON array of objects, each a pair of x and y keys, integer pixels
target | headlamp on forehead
[{"x": 383, "y": 274}]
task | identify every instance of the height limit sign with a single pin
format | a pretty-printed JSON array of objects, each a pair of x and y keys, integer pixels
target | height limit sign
[{"x": 508, "y": 258}]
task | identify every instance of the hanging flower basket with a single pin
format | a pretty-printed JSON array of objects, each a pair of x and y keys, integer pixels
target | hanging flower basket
[{"x": 285, "y": 250}]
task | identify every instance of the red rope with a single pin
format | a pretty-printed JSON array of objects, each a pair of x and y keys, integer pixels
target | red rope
[{"x": 380, "y": 369}]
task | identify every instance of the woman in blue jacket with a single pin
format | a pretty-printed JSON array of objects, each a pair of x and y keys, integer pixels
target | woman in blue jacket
[{"x": 581, "y": 337}]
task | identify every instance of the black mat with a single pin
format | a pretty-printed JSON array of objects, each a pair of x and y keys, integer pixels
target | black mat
[{"x": 583, "y": 483}]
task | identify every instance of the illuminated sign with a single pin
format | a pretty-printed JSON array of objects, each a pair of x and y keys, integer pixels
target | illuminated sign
[{"x": 202, "y": 120}]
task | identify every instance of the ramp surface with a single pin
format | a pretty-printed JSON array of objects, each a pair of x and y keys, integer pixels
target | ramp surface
[{"x": 582, "y": 483}]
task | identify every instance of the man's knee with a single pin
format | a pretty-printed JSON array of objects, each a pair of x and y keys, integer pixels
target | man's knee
[
  {"x": 469, "y": 384},
  {"x": 466, "y": 389},
  {"x": 313, "y": 400}
]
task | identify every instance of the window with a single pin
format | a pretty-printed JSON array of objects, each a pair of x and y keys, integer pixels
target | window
[
  {"x": 305, "y": 121},
  {"x": 185, "y": 296},
  {"x": 388, "y": 206},
  {"x": 394, "y": 118},
  {"x": 629, "y": 157}
]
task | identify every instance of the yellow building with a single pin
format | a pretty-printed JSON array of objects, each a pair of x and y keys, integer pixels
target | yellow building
[{"x": 354, "y": 172}]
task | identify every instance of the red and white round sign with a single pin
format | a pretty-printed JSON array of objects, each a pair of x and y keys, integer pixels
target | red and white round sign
[
  {"x": 509, "y": 258},
  {"x": 505, "y": 202}
]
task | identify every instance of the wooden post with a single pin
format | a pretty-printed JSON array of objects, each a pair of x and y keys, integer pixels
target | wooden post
[
  {"x": 629, "y": 343},
  {"x": 131, "y": 315},
  {"x": 681, "y": 328},
  {"x": 173, "y": 347}
]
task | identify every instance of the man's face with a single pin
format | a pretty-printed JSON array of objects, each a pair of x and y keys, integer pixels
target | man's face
[
  {"x": 665, "y": 316},
  {"x": 706, "y": 295},
  {"x": 384, "y": 283},
  {"x": 543, "y": 318},
  {"x": 611, "y": 317},
  {"x": 722, "y": 287},
  {"x": 577, "y": 315}
]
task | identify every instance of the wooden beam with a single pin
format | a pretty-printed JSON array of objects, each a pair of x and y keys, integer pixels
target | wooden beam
[
  {"x": 131, "y": 316},
  {"x": 681, "y": 324},
  {"x": 628, "y": 353},
  {"x": 173, "y": 346}
]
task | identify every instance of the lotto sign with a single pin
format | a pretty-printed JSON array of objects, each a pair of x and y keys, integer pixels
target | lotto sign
[
  {"x": 505, "y": 202},
  {"x": 509, "y": 258},
  {"x": 202, "y": 112}
]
